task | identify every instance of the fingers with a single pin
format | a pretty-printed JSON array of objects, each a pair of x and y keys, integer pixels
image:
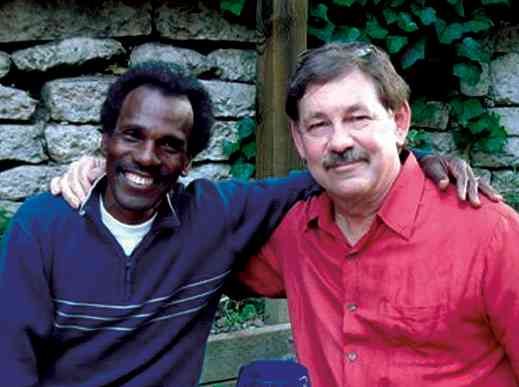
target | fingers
[
  {"x": 459, "y": 169},
  {"x": 434, "y": 167},
  {"x": 489, "y": 191},
  {"x": 55, "y": 187},
  {"x": 472, "y": 188}
]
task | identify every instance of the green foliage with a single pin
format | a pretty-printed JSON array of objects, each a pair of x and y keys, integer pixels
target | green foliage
[
  {"x": 233, "y": 6},
  {"x": 237, "y": 313},
  {"x": 242, "y": 151},
  {"x": 4, "y": 221},
  {"x": 436, "y": 45}
]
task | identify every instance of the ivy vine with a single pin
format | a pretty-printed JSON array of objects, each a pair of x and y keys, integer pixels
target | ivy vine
[
  {"x": 242, "y": 151},
  {"x": 439, "y": 46}
]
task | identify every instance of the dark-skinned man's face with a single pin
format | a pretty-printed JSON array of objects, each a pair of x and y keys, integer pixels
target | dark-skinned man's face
[{"x": 146, "y": 153}]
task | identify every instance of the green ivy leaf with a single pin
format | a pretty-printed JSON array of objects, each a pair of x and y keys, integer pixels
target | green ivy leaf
[
  {"x": 390, "y": 15},
  {"x": 246, "y": 127},
  {"x": 472, "y": 49},
  {"x": 458, "y": 7},
  {"x": 419, "y": 139},
  {"x": 344, "y": 3},
  {"x": 375, "y": 30},
  {"x": 406, "y": 23},
  {"x": 346, "y": 34},
  {"x": 422, "y": 110},
  {"x": 395, "y": 43},
  {"x": 397, "y": 3},
  {"x": 414, "y": 53},
  {"x": 233, "y": 6},
  {"x": 426, "y": 15},
  {"x": 243, "y": 170},
  {"x": 451, "y": 33},
  {"x": 249, "y": 150},
  {"x": 478, "y": 25},
  {"x": 472, "y": 108},
  {"x": 230, "y": 147},
  {"x": 468, "y": 72},
  {"x": 440, "y": 25},
  {"x": 492, "y": 2},
  {"x": 376, "y": 2},
  {"x": 324, "y": 34}
]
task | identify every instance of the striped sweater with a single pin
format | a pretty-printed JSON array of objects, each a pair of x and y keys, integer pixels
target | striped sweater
[{"x": 76, "y": 311}]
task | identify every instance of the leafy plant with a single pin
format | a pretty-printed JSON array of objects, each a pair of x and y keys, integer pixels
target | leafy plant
[
  {"x": 242, "y": 152},
  {"x": 4, "y": 221},
  {"x": 236, "y": 313},
  {"x": 437, "y": 45}
]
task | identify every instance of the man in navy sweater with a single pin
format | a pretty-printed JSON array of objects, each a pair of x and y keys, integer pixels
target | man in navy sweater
[{"x": 124, "y": 293}]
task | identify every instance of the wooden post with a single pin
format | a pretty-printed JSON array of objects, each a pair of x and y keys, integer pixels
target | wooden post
[{"x": 282, "y": 24}]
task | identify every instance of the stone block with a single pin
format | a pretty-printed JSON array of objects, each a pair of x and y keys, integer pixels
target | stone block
[
  {"x": 439, "y": 120},
  {"x": 66, "y": 143},
  {"x": 235, "y": 65},
  {"x": 484, "y": 174},
  {"x": 232, "y": 99},
  {"x": 24, "y": 20},
  {"x": 507, "y": 40},
  {"x": 22, "y": 143},
  {"x": 504, "y": 72},
  {"x": 5, "y": 64},
  {"x": 21, "y": 182},
  {"x": 506, "y": 181},
  {"x": 211, "y": 171},
  {"x": 16, "y": 104},
  {"x": 68, "y": 52},
  {"x": 508, "y": 158},
  {"x": 192, "y": 19},
  {"x": 190, "y": 60},
  {"x": 76, "y": 100},
  {"x": 481, "y": 88},
  {"x": 222, "y": 130},
  {"x": 509, "y": 119},
  {"x": 442, "y": 143}
]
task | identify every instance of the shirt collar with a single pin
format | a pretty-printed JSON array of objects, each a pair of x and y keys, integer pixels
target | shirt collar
[
  {"x": 398, "y": 211},
  {"x": 166, "y": 217}
]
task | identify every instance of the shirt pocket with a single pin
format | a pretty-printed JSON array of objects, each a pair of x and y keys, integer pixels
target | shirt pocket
[{"x": 417, "y": 335}]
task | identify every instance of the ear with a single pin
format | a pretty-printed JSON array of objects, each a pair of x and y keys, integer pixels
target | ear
[
  {"x": 298, "y": 139},
  {"x": 187, "y": 167},
  {"x": 403, "y": 121}
]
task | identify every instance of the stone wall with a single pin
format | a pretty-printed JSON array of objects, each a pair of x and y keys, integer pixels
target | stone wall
[
  {"x": 499, "y": 85},
  {"x": 58, "y": 58}
]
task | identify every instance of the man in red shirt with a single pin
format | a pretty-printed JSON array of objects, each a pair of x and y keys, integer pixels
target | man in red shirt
[{"x": 389, "y": 281}]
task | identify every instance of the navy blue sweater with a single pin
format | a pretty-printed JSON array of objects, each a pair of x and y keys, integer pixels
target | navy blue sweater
[{"x": 75, "y": 311}]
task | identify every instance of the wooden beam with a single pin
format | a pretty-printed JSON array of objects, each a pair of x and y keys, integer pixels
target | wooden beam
[{"x": 283, "y": 26}]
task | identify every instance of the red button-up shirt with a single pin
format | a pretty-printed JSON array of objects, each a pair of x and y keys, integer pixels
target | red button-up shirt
[{"x": 428, "y": 297}]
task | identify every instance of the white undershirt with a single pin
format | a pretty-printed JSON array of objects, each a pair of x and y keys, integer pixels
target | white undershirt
[{"x": 128, "y": 235}]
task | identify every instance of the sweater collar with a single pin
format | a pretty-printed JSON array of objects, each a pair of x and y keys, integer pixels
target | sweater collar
[{"x": 167, "y": 215}]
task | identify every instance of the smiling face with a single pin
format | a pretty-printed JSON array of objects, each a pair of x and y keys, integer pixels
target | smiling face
[
  {"x": 348, "y": 138},
  {"x": 146, "y": 152}
]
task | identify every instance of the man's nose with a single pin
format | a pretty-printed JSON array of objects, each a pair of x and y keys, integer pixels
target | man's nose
[
  {"x": 147, "y": 155},
  {"x": 340, "y": 139}
]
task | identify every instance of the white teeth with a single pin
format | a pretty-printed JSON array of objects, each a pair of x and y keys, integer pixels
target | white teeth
[{"x": 137, "y": 179}]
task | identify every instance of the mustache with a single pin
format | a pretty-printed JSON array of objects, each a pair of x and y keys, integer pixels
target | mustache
[
  {"x": 332, "y": 160},
  {"x": 153, "y": 172}
]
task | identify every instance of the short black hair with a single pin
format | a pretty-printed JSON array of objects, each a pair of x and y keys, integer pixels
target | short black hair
[{"x": 171, "y": 81}]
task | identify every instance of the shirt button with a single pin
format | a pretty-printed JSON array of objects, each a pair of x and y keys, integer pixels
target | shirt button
[
  {"x": 352, "y": 356},
  {"x": 352, "y": 307},
  {"x": 351, "y": 255}
]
